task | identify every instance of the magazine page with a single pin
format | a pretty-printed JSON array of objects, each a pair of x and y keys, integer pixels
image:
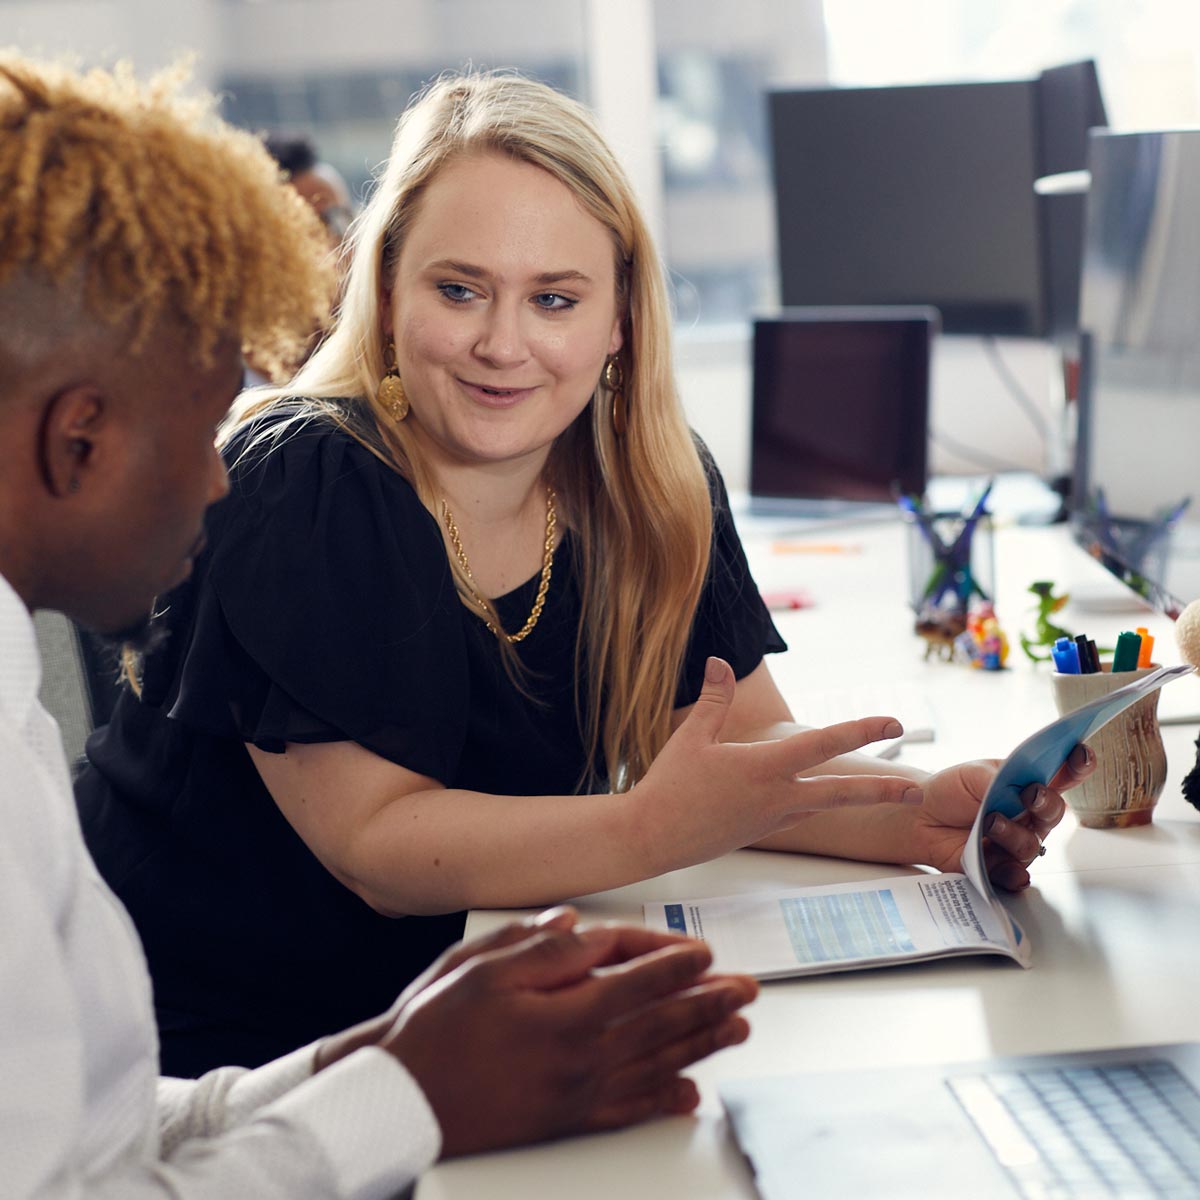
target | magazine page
[{"x": 841, "y": 927}]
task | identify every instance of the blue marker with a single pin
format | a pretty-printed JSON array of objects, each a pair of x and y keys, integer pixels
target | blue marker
[{"x": 1066, "y": 656}]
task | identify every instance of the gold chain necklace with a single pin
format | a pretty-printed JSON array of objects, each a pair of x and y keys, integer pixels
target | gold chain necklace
[{"x": 543, "y": 583}]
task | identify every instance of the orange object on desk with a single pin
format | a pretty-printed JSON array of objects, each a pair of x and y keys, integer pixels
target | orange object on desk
[{"x": 802, "y": 547}]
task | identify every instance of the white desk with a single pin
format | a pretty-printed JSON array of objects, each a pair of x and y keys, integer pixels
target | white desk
[{"x": 1113, "y": 916}]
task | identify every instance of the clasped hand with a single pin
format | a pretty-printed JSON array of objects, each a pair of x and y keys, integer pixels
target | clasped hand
[{"x": 540, "y": 1030}]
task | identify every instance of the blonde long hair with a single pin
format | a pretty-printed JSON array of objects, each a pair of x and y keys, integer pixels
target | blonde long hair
[{"x": 638, "y": 502}]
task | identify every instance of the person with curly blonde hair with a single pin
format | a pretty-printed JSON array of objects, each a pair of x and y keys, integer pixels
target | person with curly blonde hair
[
  {"x": 144, "y": 246},
  {"x": 476, "y": 629}
]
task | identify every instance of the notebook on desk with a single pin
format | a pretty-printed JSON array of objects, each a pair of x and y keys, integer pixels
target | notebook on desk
[{"x": 1122, "y": 1123}]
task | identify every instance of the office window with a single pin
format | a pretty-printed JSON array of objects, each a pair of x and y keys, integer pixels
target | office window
[
  {"x": 1148, "y": 51},
  {"x": 715, "y": 61},
  {"x": 342, "y": 71}
]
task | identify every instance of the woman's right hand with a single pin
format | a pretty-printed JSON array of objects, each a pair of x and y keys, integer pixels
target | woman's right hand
[{"x": 703, "y": 797}]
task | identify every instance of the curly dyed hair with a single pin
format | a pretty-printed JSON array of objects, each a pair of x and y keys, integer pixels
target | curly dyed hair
[{"x": 155, "y": 206}]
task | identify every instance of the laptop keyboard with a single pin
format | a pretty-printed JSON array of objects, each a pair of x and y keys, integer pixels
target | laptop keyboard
[{"x": 1127, "y": 1129}]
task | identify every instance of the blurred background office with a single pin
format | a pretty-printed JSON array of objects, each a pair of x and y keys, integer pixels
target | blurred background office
[{"x": 680, "y": 88}]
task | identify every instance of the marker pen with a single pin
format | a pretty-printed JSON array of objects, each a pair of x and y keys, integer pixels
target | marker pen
[
  {"x": 1066, "y": 656},
  {"x": 1125, "y": 656},
  {"x": 1085, "y": 659},
  {"x": 1147, "y": 648}
]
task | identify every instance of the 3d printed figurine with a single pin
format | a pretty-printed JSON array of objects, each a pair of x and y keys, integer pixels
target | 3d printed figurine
[
  {"x": 1046, "y": 633},
  {"x": 983, "y": 643}
]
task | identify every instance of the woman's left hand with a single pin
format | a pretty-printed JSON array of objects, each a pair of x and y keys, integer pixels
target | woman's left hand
[{"x": 952, "y": 799}]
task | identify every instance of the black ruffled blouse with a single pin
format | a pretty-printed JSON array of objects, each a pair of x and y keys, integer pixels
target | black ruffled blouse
[{"x": 324, "y": 610}]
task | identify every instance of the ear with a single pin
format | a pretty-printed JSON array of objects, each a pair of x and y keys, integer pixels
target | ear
[
  {"x": 618, "y": 336},
  {"x": 385, "y": 312},
  {"x": 72, "y": 422}
]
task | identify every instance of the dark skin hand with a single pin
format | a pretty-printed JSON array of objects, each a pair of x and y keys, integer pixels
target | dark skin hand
[{"x": 537, "y": 1030}]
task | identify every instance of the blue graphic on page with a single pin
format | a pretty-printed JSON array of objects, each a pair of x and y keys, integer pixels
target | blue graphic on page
[
  {"x": 674, "y": 915},
  {"x": 844, "y": 925}
]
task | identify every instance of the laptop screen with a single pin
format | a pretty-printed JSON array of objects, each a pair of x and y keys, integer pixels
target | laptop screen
[{"x": 840, "y": 403}]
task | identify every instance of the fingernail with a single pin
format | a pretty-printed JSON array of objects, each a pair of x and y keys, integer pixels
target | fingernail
[
  {"x": 893, "y": 729},
  {"x": 714, "y": 670},
  {"x": 994, "y": 824},
  {"x": 1041, "y": 801},
  {"x": 1081, "y": 757},
  {"x": 912, "y": 795}
]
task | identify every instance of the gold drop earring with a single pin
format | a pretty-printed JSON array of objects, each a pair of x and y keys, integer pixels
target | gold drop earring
[
  {"x": 391, "y": 390},
  {"x": 615, "y": 382}
]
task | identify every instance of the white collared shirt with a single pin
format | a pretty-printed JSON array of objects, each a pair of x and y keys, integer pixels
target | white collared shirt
[{"x": 82, "y": 1110}]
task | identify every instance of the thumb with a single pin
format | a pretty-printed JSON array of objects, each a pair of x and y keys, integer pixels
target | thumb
[{"x": 708, "y": 714}]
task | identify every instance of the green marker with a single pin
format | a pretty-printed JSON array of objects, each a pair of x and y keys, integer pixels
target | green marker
[{"x": 1125, "y": 657}]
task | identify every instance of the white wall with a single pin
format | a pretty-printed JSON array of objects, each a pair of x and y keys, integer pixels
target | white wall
[
  {"x": 105, "y": 31},
  {"x": 970, "y": 406}
]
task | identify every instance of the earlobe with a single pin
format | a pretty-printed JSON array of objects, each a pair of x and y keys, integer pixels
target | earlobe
[{"x": 71, "y": 422}]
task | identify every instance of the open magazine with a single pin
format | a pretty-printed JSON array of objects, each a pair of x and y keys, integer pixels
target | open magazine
[{"x": 880, "y": 922}]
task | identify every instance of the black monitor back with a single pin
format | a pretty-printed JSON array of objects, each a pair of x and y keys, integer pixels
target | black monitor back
[
  {"x": 840, "y": 405},
  {"x": 924, "y": 195}
]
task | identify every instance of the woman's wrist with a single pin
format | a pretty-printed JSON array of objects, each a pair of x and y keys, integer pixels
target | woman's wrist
[{"x": 635, "y": 827}]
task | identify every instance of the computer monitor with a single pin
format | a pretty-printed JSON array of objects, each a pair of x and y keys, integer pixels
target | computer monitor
[
  {"x": 840, "y": 405},
  {"x": 1136, "y": 499},
  {"x": 924, "y": 195}
]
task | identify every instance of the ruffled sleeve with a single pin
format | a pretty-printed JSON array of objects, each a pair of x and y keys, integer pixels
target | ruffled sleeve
[
  {"x": 324, "y": 610},
  {"x": 731, "y": 622}
]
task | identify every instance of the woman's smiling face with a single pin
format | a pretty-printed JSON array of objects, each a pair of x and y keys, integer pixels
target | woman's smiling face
[{"x": 503, "y": 309}]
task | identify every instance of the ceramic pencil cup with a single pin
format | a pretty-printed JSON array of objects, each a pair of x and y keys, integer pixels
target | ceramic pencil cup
[{"x": 1131, "y": 763}]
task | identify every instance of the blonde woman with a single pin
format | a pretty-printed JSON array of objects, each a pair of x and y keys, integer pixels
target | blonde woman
[{"x": 475, "y": 628}]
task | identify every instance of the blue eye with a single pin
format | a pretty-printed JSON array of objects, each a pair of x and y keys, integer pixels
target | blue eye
[
  {"x": 553, "y": 302},
  {"x": 458, "y": 292}
]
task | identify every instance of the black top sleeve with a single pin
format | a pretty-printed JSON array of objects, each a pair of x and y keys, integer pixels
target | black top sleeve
[
  {"x": 326, "y": 610},
  {"x": 732, "y": 621}
]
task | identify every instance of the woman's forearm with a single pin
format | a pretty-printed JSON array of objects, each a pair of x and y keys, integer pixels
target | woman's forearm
[
  {"x": 884, "y": 833},
  {"x": 446, "y": 850},
  {"x": 406, "y": 845}
]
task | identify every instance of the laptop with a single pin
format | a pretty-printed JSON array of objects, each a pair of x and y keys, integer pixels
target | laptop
[
  {"x": 840, "y": 410},
  {"x": 1122, "y": 1123}
]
